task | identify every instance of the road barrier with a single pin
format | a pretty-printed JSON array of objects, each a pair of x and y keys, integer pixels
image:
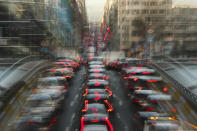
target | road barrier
[{"x": 14, "y": 105}]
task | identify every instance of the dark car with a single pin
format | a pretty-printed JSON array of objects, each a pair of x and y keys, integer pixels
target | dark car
[
  {"x": 98, "y": 76},
  {"x": 142, "y": 116},
  {"x": 39, "y": 105},
  {"x": 137, "y": 71},
  {"x": 94, "y": 108},
  {"x": 152, "y": 103},
  {"x": 96, "y": 119},
  {"x": 142, "y": 80},
  {"x": 100, "y": 91},
  {"x": 99, "y": 98},
  {"x": 64, "y": 72},
  {"x": 162, "y": 126},
  {"x": 97, "y": 83},
  {"x": 142, "y": 94},
  {"x": 52, "y": 81}
]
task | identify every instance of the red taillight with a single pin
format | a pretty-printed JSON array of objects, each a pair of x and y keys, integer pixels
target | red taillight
[
  {"x": 135, "y": 101},
  {"x": 135, "y": 79},
  {"x": 110, "y": 109},
  {"x": 146, "y": 73},
  {"x": 98, "y": 83},
  {"x": 82, "y": 124},
  {"x": 106, "y": 77},
  {"x": 165, "y": 89},
  {"x": 53, "y": 121},
  {"x": 154, "y": 101},
  {"x": 128, "y": 86},
  {"x": 109, "y": 124},
  {"x": 86, "y": 92},
  {"x": 108, "y": 90},
  {"x": 95, "y": 121},
  {"x": 152, "y": 81},
  {"x": 98, "y": 96},
  {"x": 65, "y": 87},
  {"x": 68, "y": 76},
  {"x": 149, "y": 109},
  {"x": 97, "y": 71}
]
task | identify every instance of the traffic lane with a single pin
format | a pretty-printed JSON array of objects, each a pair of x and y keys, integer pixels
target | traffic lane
[
  {"x": 123, "y": 118},
  {"x": 69, "y": 119}
]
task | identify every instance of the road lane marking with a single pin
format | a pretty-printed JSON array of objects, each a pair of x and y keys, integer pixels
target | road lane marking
[
  {"x": 120, "y": 103},
  {"x": 72, "y": 103}
]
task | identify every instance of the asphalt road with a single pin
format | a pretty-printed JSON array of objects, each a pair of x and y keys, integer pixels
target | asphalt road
[
  {"x": 69, "y": 119},
  {"x": 124, "y": 110},
  {"x": 123, "y": 118}
]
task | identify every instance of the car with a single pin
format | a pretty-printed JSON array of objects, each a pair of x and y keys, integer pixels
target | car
[
  {"x": 137, "y": 71},
  {"x": 55, "y": 94},
  {"x": 97, "y": 90},
  {"x": 98, "y": 70},
  {"x": 162, "y": 126},
  {"x": 71, "y": 61},
  {"x": 93, "y": 120},
  {"x": 142, "y": 116},
  {"x": 94, "y": 108},
  {"x": 65, "y": 72},
  {"x": 97, "y": 58},
  {"x": 58, "y": 65},
  {"x": 97, "y": 83},
  {"x": 61, "y": 88},
  {"x": 142, "y": 80},
  {"x": 96, "y": 66},
  {"x": 39, "y": 100},
  {"x": 95, "y": 127},
  {"x": 95, "y": 63},
  {"x": 97, "y": 76},
  {"x": 142, "y": 94},
  {"x": 52, "y": 81},
  {"x": 99, "y": 98},
  {"x": 157, "y": 98},
  {"x": 153, "y": 102}
]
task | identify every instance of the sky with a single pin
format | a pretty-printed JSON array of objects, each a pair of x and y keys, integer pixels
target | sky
[{"x": 95, "y": 7}]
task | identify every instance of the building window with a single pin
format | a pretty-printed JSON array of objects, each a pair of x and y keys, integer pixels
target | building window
[
  {"x": 162, "y": 11},
  {"x": 153, "y": 3},
  {"x": 135, "y": 3},
  {"x": 153, "y": 11},
  {"x": 145, "y": 11}
]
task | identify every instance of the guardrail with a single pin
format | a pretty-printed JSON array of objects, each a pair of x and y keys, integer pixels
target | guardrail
[
  {"x": 16, "y": 100},
  {"x": 20, "y": 61},
  {"x": 187, "y": 104}
]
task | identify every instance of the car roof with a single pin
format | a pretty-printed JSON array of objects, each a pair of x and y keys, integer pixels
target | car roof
[
  {"x": 96, "y": 90},
  {"x": 160, "y": 126},
  {"x": 159, "y": 97},
  {"x": 93, "y": 74},
  {"x": 95, "y": 116},
  {"x": 39, "y": 96},
  {"x": 147, "y": 114},
  {"x": 51, "y": 78},
  {"x": 146, "y": 92},
  {"x": 98, "y": 82},
  {"x": 146, "y": 77},
  {"x": 98, "y": 69},
  {"x": 96, "y": 105},
  {"x": 95, "y": 96},
  {"x": 95, "y": 127},
  {"x": 96, "y": 65}
]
